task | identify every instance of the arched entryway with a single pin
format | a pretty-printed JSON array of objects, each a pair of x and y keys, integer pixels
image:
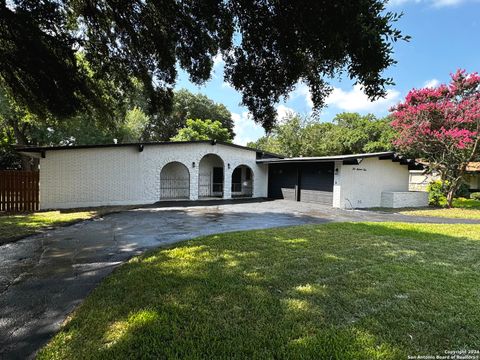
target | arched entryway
[
  {"x": 210, "y": 176},
  {"x": 242, "y": 181},
  {"x": 174, "y": 181}
]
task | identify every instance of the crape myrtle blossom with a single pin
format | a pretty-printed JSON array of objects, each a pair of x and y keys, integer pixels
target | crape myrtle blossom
[{"x": 442, "y": 125}]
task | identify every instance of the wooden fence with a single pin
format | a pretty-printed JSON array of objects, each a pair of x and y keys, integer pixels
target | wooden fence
[{"x": 19, "y": 191}]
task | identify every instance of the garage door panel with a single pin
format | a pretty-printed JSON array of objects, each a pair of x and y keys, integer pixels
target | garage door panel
[
  {"x": 282, "y": 179},
  {"x": 316, "y": 196},
  {"x": 317, "y": 177},
  {"x": 316, "y": 183},
  {"x": 313, "y": 181},
  {"x": 288, "y": 194}
]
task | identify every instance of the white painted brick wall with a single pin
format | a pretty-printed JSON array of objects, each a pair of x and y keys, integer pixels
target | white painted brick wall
[
  {"x": 123, "y": 175},
  {"x": 337, "y": 184},
  {"x": 404, "y": 199},
  {"x": 361, "y": 186}
]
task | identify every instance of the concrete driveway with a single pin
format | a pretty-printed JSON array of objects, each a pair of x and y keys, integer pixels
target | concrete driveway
[{"x": 44, "y": 277}]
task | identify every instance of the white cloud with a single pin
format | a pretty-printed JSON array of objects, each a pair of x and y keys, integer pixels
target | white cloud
[
  {"x": 218, "y": 63},
  {"x": 245, "y": 128},
  {"x": 283, "y": 111},
  {"x": 434, "y": 3},
  {"x": 303, "y": 91},
  {"x": 356, "y": 100},
  {"x": 394, "y": 3},
  {"x": 218, "y": 60},
  {"x": 442, "y": 3},
  {"x": 431, "y": 83},
  {"x": 226, "y": 85}
]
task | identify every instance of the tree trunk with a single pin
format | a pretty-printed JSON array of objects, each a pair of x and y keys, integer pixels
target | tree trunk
[
  {"x": 21, "y": 139},
  {"x": 452, "y": 189},
  {"x": 450, "y": 196}
]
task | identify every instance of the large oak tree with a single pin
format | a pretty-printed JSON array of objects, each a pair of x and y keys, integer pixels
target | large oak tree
[{"x": 268, "y": 47}]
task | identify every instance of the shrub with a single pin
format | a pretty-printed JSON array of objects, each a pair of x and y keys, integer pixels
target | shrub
[
  {"x": 463, "y": 191},
  {"x": 436, "y": 193},
  {"x": 475, "y": 196}
]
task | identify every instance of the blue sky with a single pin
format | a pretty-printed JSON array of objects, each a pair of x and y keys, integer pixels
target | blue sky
[{"x": 445, "y": 37}]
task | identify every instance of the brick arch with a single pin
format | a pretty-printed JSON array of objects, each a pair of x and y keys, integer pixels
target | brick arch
[
  {"x": 243, "y": 181},
  {"x": 210, "y": 178},
  {"x": 174, "y": 181}
]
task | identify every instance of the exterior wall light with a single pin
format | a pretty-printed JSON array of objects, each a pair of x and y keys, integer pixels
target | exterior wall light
[
  {"x": 193, "y": 164},
  {"x": 228, "y": 166}
]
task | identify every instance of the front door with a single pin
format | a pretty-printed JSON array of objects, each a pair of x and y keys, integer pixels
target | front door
[{"x": 217, "y": 185}]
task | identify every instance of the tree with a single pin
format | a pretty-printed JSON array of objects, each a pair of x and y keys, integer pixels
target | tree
[
  {"x": 442, "y": 126},
  {"x": 291, "y": 137},
  {"x": 268, "y": 48},
  {"x": 9, "y": 159},
  {"x": 348, "y": 133},
  {"x": 202, "y": 130},
  {"x": 135, "y": 125},
  {"x": 187, "y": 105},
  {"x": 356, "y": 134}
]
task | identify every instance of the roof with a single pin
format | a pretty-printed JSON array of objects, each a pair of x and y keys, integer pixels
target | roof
[
  {"x": 264, "y": 158},
  {"x": 139, "y": 145},
  {"x": 473, "y": 166},
  {"x": 328, "y": 158},
  {"x": 347, "y": 159}
]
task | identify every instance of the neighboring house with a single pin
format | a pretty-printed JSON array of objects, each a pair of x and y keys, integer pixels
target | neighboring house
[
  {"x": 418, "y": 180},
  {"x": 142, "y": 173}
]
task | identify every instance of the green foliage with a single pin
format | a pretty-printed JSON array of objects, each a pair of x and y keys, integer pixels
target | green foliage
[
  {"x": 463, "y": 191},
  {"x": 136, "y": 122},
  {"x": 348, "y": 133},
  {"x": 475, "y": 196},
  {"x": 9, "y": 159},
  {"x": 38, "y": 64},
  {"x": 127, "y": 122},
  {"x": 187, "y": 105},
  {"x": 267, "y": 46},
  {"x": 203, "y": 130},
  {"x": 437, "y": 193},
  {"x": 438, "y": 190}
]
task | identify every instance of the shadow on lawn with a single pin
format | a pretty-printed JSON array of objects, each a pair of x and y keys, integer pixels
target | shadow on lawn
[{"x": 345, "y": 291}]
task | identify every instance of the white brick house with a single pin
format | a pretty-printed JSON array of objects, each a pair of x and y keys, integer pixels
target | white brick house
[{"x": 144, "y": 173}]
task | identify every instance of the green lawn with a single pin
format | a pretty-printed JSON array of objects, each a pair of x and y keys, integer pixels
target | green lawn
[
  {"x": 19, "y": 225},
  {"x": 462, "y": 209},
  {"x": 339, "y": 290}
]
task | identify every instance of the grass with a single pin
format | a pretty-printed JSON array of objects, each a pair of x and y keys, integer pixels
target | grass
[
  {"x": 462, "y": 209},
  {"x": 13, "y": 227},
  {"x": 333, "y": 291}
]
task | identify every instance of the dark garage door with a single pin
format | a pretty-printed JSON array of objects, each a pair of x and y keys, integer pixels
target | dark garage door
[
  {"x": 282, "y": 180},
  {"x": 312, "y": 182}
]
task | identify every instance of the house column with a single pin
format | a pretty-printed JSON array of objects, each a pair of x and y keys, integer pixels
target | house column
[
  {"x": 227, "y": 180},
  {"x": 337, "y": 184},
  {"x": 194, "y": 171}
]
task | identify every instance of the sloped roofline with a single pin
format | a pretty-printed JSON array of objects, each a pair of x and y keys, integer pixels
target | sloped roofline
[{"x": 140, "y": 145}]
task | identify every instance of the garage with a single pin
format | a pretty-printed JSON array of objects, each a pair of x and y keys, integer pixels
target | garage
[{"x": 306, "y": 182}]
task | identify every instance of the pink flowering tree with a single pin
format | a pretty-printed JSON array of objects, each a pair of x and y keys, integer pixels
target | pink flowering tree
[{"x": 442, "y": 126}]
